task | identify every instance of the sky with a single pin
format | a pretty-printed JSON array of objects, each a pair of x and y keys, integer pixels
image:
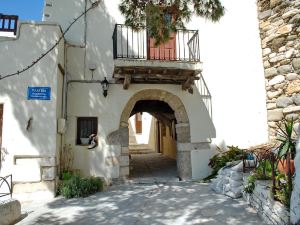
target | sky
[{"x": 25, "y": 9}]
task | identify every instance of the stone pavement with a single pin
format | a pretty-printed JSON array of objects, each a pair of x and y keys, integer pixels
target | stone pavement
[{"x": 145, "y": 200}]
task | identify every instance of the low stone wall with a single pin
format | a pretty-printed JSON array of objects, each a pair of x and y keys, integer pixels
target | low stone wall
[
  {"x": 229, "y": 180},
  {"x": 271, "y": 211},
  {"x": 10, "y": 212}
]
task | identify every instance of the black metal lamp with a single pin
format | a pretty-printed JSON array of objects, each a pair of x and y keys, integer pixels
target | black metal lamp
[{"x": 105, "y": 85}]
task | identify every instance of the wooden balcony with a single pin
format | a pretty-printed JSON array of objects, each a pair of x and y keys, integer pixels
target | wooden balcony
[{"x": 138, "y": 60}]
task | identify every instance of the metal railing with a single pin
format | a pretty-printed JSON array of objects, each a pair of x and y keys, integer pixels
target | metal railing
[
  {"x": 205, "y": 94},
  {"x": 6, "y": 184},
  {"x": 8, "y": 23},
  {"x": 136, "y": 44}
]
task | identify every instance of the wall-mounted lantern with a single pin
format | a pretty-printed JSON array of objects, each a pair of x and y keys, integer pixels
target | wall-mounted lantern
[{"x": 105, "y": 85}]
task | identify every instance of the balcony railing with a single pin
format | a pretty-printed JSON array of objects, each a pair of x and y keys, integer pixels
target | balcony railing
[
  {"x": 8, "y": 23},
  {"x": 132, "y": 44}
]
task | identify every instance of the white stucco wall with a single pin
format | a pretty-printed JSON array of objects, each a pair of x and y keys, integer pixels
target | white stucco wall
[
  {"x": 108, "y": 110},
  {"x": 230, "y": 52},
  {"x": 232, "y": 68},
  {"x": 148, "y": 132},
  {"x": 16, "y": 53}
]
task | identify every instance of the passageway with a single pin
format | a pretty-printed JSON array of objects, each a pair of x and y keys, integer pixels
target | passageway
[
  {"x": 152, "y": 167},
  {"x": 152, "y": 142}
]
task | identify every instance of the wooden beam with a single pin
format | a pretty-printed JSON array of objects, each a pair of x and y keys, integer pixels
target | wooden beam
[
  {"x": 188, "y": 83},
  {"x": 127, "y": 81}
]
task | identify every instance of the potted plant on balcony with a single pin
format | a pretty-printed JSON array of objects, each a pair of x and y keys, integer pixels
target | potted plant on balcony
[{"x": 287, "y": 148}]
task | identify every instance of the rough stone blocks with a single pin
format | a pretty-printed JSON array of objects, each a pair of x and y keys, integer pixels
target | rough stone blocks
[
  {"x": 10, "y": 212},
  {"x": 124, "y": 171},
  {"x": 184, "y": 165},
  {"x": 48, "y": 173}
]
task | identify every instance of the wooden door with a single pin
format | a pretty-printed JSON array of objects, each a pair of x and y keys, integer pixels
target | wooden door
[
  {"x": 1, "y": 123},
  {"x": 138, "y": 123},
  {"x": 166, "y": 51}
]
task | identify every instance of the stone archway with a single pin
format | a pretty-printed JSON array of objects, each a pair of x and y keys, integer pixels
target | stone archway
[{"x": 121, "y": 136}]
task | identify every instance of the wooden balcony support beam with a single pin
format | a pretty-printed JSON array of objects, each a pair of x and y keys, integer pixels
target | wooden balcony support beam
[
  {"x": 188, "y": 83},
  {"x": 127, "y": 81}
]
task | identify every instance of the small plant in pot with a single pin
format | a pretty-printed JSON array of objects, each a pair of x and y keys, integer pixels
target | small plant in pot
[
  {"x": 286, "y": 154},
  {"x": 287, "y": 148}
]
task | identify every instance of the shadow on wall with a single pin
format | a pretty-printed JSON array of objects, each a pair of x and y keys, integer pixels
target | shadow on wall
[
  {"x": 99, "y": 48},
  {"x": 29, "y": 126}
]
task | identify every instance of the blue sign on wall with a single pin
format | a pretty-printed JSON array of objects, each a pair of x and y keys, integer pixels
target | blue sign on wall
[{"x": 39, "y": 93}]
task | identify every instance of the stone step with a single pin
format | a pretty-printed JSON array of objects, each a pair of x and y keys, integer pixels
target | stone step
[
  {"x": 138, "y": 146},
  {"x": 141, "y": 151}
]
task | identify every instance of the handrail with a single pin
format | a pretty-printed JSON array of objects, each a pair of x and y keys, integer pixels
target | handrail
[
  {"x": 4, "y": 180},
  {"x": 8, "y": 23},
  {"x": 193, "y": 45},
  {"x": 130, "y": 43},
  {"x": 205, "y": 94}
]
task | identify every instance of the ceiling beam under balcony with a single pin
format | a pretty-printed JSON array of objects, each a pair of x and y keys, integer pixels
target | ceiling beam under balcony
[
  {"x": 127, "y": 81},
  {"x": 188, "y": 83}
]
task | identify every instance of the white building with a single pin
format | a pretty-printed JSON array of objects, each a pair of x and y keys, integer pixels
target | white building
[{"x": 220, "y": 63}]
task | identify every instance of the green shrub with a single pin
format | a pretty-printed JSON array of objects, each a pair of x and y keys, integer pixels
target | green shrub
[
  {"x": 218, "y": 161},
  {"x": 264, "y": 170},
  {"x": 66, "y": 175},
  {"x": 249, "y": 188},
  {"x": 77, "y": 186},
  {"x": 282, "y": 192}
]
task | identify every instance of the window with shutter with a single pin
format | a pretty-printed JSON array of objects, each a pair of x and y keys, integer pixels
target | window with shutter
[{"x": 86, "y": 126}]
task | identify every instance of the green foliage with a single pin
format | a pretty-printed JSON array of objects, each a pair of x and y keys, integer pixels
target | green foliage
[
  {"x": 66, "y": 175},
  {"x": 264, "y": 170},
  {"x": 283, "y": 192},
  {"x": 249, "y": 188},
  {"x": 76, "y": 186},
  {"x": 153, "y": 14},
  {"x": 287, "y": 140},
  {"x": 219, "y": 160}
]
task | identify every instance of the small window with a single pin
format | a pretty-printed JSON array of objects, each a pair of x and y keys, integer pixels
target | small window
[
  {"x": 86, "y": 126},
  {"x": 138, "y": 123}
]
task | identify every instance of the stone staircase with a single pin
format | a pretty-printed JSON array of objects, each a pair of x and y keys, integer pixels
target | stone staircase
[{"x": 140, "y": 149}]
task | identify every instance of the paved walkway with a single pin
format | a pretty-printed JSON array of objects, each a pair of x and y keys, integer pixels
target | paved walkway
[
  {"x": 154, "y": 167},
  {"x": 140, "y": 203}
]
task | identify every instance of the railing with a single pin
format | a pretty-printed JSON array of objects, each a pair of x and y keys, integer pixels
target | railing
[
  {"x": 281, "y": 180},
  {"x": 205, "y": 94},
  {"x": 8, "y": 23},
  {"x": 136, "y": 44},
  {"x": 6, "y": 184}
]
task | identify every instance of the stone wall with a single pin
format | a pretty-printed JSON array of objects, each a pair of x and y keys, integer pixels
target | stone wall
[
  {"x": 10, "y": 212},
  {"x": 279, "y": 24},
  {"x": 272, "y": 212}
]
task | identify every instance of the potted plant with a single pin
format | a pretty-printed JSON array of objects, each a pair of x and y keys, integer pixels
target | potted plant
[{"x": 287, "y": 148}]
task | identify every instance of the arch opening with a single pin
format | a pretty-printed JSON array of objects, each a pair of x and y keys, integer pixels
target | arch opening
[{"x": 166, "y": 108}]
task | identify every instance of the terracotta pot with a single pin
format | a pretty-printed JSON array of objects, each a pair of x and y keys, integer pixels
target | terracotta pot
[{"x": 283, "y": 167}]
